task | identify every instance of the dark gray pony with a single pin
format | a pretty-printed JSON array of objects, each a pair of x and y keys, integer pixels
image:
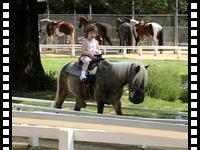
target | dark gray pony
[
  {"x": 107, "y": 88},
  {"x": 124, "y": 30}
]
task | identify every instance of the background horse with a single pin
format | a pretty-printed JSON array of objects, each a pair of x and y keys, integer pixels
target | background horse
[
  {"x": 107, "y": 88},
  {"x": 124, "y": 31},
  {"x": 102, "y": 29},
  {"x": 59, "y": 28},
  {"x": 142, "y": 28}
]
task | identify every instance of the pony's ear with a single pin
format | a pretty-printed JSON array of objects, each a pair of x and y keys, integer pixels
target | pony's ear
[{"x": 147, "y": 66}]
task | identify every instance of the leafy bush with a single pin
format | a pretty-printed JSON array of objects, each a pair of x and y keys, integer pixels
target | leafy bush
[
  {"x": 184, "y": 95},
  {"x": 164, "y": 83},
  {"x": 184, "y": 89},
  {"x": 51, "y": 80}
]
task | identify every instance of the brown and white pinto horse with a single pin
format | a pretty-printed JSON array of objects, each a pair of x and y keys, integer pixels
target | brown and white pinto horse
[
  {"x": 142, "y": 28},
  {"x": 59, "y": 28},
  {"x": 102, "y": 29}
]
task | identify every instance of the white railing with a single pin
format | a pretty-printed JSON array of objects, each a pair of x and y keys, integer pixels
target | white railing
[
  {"x": 74, "y": 48},
  {"x": 179, "y": 115},
  {"x": 98, "y": 129}
]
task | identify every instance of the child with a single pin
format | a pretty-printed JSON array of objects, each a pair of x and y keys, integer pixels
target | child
[{"x": 90, "y": 48}]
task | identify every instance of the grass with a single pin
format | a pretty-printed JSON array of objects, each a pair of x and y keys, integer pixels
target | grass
[{"x": 54, "y": 64}]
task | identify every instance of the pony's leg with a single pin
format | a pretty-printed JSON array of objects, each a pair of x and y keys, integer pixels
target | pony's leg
[
  {"x": 100, "y": 107},
  {"x": 80, "y": 103},
  {"x": 76, "y": 108},
  {"x": 117, "y": 107}
]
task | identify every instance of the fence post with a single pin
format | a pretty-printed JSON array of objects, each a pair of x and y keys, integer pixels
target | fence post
[
  {"x": 156, "y": 52},
  {"x": 104, "y": 51},
  {"x": 66, "y": 139},
  {"x": 33, "y": 141},
  {"x": 73, "y": 50},
  {"x": 140, "y": 51},
  {"x": 125, "y": 52},
  {"x": 40, "y": 48},
  {"x": 178, "y": 53}
]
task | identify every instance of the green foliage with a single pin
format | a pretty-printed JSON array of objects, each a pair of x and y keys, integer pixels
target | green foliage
[
  {"x": 184, "y": 89},
  {"x": 164, "y": 83},
  {"x": 117, "y": 6},
  {"x": 184, "y": 95},
  {"x": 51, "y": 80}
]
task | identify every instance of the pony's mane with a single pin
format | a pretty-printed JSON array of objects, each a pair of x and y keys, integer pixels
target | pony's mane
[
  {"x": 122, "y": 68},
  {"x": 142, "y": 76}
]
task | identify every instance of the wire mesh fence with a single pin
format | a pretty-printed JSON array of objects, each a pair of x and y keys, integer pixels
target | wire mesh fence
[{"x": 167, "y": 21}]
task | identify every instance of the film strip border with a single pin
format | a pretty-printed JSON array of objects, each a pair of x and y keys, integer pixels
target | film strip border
[
  {"x": 7, "y": 102},
  {"x": 193, "y": 40}
]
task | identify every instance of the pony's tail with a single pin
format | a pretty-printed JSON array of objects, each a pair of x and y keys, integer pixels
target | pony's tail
[
  {"x": 160, "y": 38},
  {"x": 62, "y": 88}
]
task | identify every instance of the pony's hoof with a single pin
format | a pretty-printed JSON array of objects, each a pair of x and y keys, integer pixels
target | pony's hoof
[{"x": 81, "y": 104}]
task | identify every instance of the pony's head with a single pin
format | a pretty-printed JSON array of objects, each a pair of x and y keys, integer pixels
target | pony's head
[
  {"x": 137, "y": 80},
  {"x": 83, "y": 21}
]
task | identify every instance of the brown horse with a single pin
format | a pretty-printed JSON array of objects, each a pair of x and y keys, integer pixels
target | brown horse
[
  {"x": 60, "y": 28},
  {"x": 106, "y": 87},
  {"x": 102, "y": 29}
]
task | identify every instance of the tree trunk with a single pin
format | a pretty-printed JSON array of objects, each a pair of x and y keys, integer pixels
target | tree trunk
[{"x": 27, "y": 70}]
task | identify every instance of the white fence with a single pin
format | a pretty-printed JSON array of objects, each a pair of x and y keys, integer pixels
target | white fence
[
  {"x": 77, "y": 47},
  {"x": 67, "y": 136},
  {"x": 51, "y": 123},
  {"x": 179, "y": 115}
]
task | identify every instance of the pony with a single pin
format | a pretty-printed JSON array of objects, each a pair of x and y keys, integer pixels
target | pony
[
  {"x": 124, "y": 31},
  {"x": 142, "y": 28},
  {"x": 58, "y": 28},
  {"x": 102, "y": 29},
  {"x": 107, "y": 86}
]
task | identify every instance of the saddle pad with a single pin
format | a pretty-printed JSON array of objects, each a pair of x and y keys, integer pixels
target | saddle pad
[{"x": 73, "y": 68}]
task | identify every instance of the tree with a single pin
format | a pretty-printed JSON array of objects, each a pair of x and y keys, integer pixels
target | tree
[{"x": 27, "y": 70}]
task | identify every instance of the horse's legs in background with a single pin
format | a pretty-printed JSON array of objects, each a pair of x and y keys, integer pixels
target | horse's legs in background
[
  {"x": 72, "y": 38},
  {"x": 100, "y": 107},
  {"x": 107, "y": 38},
  {"x": 120, "y": 43},
  {"x": 117, "y": 107},
  {"x": 155, "y": 42}
]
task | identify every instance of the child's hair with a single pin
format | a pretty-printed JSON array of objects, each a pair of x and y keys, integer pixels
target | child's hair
[{"x": 89, "y": 29}]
